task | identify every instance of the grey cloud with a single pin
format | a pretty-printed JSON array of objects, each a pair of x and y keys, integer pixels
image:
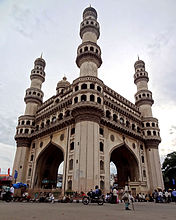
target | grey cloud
[
  {"x": 161, "y": 40},
  {"x": 21, "y": 18},
  {"x": 161, "y": 50},
  {"x": 5, "y": 159},
  {"x": 165, "y": 85},
  {"x": 7, "y": 129},
  {"x": 169, "y": 86},
  {"x": 1, "y": 86},
  {"x": 174, "y": 141},
  {"x": 173, "y": 133},
  {"x": 173, "y": 127},
  {"x": 172, "y": 130},
  {"x": 27, "y": 22}
]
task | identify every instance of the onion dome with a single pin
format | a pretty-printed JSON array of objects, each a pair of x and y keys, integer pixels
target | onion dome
[
  {"x": 90, "y": 12},
  {"x": 62, "y": 84},
  {"x": 139, "y": 63},
  {"x": 40, "y": 61}
]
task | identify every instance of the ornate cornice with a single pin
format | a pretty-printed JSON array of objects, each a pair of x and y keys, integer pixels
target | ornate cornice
[
  {"x": 152, "y": 143},
  {"x": 88, "y": 56},
  {"x": 56, "y": 126},
  {"x": 121, "y": 128},
  {"x": 53, "y": 109},
  {"x": 87, "y": 112},
  {"x": 26, "y": 117},
  {"x": 23, "y": 142},
  {"x": 121, "y": 109},
  {"x": 144, "y": 101},
  {"x": 121, "y": 99},
  {"x": 84, "y": 79}
]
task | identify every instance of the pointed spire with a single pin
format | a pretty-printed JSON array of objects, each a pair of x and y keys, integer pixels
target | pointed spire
[
  {"x": 138, "y": 57},
  {"x": 41, "y": 55}
]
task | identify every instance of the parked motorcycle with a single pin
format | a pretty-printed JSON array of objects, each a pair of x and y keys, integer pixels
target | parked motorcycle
[
  {"x": 93, "y": 198},
  {"x": 6, "y": 196}
]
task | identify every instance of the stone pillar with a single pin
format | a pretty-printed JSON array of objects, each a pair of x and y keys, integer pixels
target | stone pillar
[
  {"x": 86, "y": 159},
  {"x": 21, "y": 160},
  {"x": 154, "y": 166}
]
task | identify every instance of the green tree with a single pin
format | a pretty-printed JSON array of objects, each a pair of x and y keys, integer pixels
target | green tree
[{"x": 169, "y": 168}]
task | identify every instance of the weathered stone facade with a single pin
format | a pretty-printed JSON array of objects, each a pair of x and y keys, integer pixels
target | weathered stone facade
[{"x": 87, "y": 125}]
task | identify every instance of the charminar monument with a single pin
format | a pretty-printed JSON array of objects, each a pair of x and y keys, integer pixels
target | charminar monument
[{"x": 87, "y": 125}]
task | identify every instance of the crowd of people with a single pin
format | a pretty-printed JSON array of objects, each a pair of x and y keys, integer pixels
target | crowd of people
[
  {"x": 115, "y": 196},
  {"x": 124, "y": 195},
  {"x": 158, "y": 196}
]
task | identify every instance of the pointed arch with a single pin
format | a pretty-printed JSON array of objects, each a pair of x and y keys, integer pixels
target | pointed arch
[
  {"x": 47, "y": 164},
  {"x": 126, "y": 163}
]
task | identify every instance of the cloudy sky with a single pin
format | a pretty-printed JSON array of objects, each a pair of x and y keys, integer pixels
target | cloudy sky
[{"x": 128, "y": 28}]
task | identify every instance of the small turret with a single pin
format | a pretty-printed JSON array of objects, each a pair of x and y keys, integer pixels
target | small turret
[{"x": 61, "y": 85}]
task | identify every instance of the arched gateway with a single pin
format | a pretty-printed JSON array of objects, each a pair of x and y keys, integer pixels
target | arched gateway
[
  {"x": 87, "y": 118},
  {"x": 47, "y": 165},
  {"x": 126, "y": 164}
]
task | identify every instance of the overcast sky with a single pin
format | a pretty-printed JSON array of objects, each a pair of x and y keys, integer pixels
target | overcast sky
[{"x": 127, "y": 28}]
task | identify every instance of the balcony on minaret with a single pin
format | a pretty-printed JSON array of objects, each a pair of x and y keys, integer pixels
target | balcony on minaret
[
  {"x": 143, "y": 97},
  {"x": 150, "y": 129},
  {"x": 34, "y": 95}
]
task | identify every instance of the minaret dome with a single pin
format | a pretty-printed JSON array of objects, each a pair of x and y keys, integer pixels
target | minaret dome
[
  {"x": 40, "y": 61},
  {"x": 62, "y": 84},
  {"x": 90, "y": 12}
]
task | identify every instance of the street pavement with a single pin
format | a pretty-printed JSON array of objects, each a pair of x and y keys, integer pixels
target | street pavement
[{"x": 78, "y": 211}]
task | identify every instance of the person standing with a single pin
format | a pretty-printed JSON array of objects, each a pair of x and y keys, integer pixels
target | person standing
[
  {"x": 174, "y": 195},
  {"x": 115, "y": 195},
  {"x": 166, "y": 194},
  {"x": 51, "y": 197},
  {"x": 169, "y": 195},
  {"x": 12, "y": 190},
  {"x": 126, "y": 199}
]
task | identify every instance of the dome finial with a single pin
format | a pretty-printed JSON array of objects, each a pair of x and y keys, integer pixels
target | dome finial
[
  {"x": 41, "y": 55},
  {"x": 138, "y": 57},
  {"x": 64, "y": 78}
]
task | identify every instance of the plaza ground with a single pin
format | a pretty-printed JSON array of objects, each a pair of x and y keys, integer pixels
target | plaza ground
[{"x": 78, "y": 211}]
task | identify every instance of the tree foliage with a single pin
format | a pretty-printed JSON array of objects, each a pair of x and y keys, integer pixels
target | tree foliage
[{"x": 169, "y": 167}]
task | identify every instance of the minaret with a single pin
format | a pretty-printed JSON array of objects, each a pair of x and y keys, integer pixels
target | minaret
[
  {"x": 26, "y": 123},
  {"x": 150, "y": 129},
  {"x": 34, "y": 94},
  {"x": 143, "y": 96},
  {"x": 86, "y": 112},
  {"x": 89, "y": 53}
]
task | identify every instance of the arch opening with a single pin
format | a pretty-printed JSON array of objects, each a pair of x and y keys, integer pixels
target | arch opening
[
  {"x": 125, "y": 166},
  {"x": 49, "y": 163}
]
